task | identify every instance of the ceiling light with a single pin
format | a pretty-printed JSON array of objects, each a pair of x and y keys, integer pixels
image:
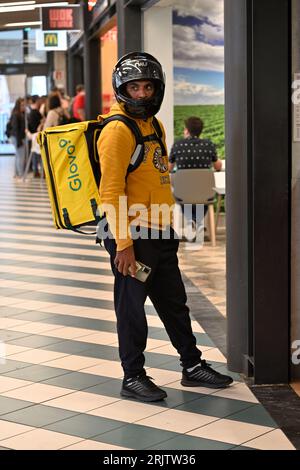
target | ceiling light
[
  {"x": 55, "y": 4},
  {"x": 14, "y": 4},
  {"x": 27, "y": 23},
  {"x": 18, "y": 8},
  {"x": 12, "y": 8}
]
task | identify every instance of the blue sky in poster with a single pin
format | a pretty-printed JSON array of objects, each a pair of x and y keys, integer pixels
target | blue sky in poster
[{"x": 198, "y": 39}]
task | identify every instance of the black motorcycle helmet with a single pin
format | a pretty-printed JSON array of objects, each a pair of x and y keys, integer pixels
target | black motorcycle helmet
[{"x": 138, "y": 66}]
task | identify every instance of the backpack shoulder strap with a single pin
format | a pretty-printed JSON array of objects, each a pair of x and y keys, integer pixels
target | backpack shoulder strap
[
  {"x": 138, "y": 154},
  {"x": 159, "y": 134},
  {"x": 157, "y": 127}
]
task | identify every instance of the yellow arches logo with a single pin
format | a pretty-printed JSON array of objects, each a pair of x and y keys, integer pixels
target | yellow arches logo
[{"x": 50, "y": 39}]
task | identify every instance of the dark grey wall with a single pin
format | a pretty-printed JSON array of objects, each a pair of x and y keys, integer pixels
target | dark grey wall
[
  {"x": 91, "y": 68},
  {"x": 271, "y": 188},
  {"x": 295, "y": 268},
  {"x": 129, "y": 27},
  {"x": 238, "y": 137},
  {"x": 258, "y": 152}
]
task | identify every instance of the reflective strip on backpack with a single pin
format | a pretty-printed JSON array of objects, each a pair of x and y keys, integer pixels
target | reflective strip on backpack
[{"x": 136, "y": 154}]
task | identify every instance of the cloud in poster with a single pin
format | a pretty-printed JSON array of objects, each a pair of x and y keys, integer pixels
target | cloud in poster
[
  {"x": 186, "y": 93},
  {"x": 198, "y": 42},
  {"x": 213, "y": 10},
  {"x": 191, "y": 53},
  {"x": 199, "y": 34},
  {"x": 212, "y": 33}
]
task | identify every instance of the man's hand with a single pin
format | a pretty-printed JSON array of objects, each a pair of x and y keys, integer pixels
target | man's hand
[{"x": 126, "y": 259}]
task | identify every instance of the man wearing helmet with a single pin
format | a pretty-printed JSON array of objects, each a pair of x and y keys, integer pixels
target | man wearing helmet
[{"x": 139, "y": 85}]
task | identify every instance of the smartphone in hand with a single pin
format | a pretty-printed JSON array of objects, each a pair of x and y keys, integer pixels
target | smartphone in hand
[{"x": 142, "y": 271}]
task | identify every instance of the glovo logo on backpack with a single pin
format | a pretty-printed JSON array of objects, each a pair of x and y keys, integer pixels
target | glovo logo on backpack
[{"x": 75, "y": 182}]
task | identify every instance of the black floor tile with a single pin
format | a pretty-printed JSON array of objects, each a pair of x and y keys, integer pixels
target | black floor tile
[
  {"x": 81, "y": 322},
  {"x": 135, "y": 436},
  {"x": 52, "y": 266},
  {"x": 11, "y": 311},
  {"x": 183, "y": 442},
  {"x": 34, "y": 316},
  {"x": 38, "y": 415},
  {"x": 76, "y": 380},
  {"x": 36, "y": 373},
  {"x": 42, "y": 243},
  {"x": 85, "y": 426},
  {"x": 8, "y": 405},
  {"x": 68, "y": 347},
  {"x": 8, "y": 336},
  {"x": 34, "y": 341},
  {"x": 215, "y": 406}
]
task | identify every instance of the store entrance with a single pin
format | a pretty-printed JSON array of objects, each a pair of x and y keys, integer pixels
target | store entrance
[{"x": 13, "y": 87}]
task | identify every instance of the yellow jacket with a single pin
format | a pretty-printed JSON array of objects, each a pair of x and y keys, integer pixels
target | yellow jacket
[{"x": 149, "y": 184}]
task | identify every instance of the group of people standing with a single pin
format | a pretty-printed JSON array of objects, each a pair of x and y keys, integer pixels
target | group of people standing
[{"x": 34, "y": 114}]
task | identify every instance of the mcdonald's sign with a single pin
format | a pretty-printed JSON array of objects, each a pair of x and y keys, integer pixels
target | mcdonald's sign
[{"x": 50, "y": 39}]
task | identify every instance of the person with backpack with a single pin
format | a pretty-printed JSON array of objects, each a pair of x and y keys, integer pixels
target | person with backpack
[
  {"x": 139, "y": 238},
  {"x": 34, "y": 116}
]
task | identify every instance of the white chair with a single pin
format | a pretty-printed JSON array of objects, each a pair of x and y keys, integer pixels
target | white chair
[{"x": 196, "y": 186}]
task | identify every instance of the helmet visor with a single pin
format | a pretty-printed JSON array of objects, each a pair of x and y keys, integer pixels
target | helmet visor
[{"x": 137, "y": 69}]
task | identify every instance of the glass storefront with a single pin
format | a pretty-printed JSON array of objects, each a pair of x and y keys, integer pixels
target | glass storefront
[
  {"x": 32, "y": 55},
  {"x": 11, "y": 47},
  {"x": 18, "y": 47}
]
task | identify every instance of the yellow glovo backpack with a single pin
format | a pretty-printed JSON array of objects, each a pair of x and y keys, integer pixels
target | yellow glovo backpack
[{"x": 72, "y": 168}]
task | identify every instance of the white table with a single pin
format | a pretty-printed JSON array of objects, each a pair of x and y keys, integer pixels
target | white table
[{"x": 220, "y": 189}]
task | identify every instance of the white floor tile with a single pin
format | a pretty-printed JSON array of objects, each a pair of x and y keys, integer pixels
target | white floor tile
[
  {"x": 39, "y": 439},
  {"x": 233, "y": 432},
  {"x": 274, "y": 440}
]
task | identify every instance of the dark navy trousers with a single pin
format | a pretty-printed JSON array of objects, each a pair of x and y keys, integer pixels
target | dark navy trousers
[{"x": 167, "y": 293}]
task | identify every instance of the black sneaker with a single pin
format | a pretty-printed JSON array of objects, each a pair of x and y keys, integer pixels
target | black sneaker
[
  {"x": 142, "y": 389},
  {"x": 204, "y": 376}
]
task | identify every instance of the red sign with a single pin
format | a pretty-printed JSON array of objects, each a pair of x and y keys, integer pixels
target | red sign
[{"x": 61, "y": 18}]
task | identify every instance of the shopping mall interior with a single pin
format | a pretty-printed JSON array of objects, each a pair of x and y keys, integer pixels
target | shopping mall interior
[{"x": 60, "y": 368}]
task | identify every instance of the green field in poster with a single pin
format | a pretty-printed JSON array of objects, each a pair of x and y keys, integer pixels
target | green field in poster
[{"x": 214, "y": 123}]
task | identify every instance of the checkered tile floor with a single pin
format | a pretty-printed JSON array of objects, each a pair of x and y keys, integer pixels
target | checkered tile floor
[{"x": 60, "y": 374}]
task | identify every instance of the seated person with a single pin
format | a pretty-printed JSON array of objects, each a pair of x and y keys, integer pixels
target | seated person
[{"x": 192, "y": 152}]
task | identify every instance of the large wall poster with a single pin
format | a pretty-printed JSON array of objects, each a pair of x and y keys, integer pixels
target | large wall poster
[{"x": 198, "y": 40}]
